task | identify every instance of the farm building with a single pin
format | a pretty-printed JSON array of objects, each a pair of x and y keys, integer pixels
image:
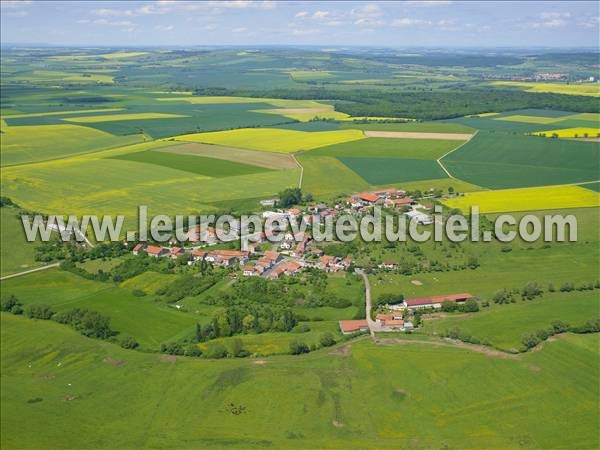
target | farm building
[
  {"x": 353, "y": 326},
  {"x": 435, "y": 301}
]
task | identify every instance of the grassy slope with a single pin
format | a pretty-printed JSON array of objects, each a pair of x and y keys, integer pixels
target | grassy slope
[
  {"x": 26, "y": 144},
  {"x": 16, "y": 253},
  {"x": 55, "y": 381},
  {"x": 148, "y": 321},
  {"x": 504, "y": 325}
]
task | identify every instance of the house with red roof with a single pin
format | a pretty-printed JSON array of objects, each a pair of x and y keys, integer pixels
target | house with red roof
[
  {"x": 435, "y": 301},
  {"x": 139, "y": 248},
  {"x": 353, "y": 326},
  {"x": 155, "y": 251}
]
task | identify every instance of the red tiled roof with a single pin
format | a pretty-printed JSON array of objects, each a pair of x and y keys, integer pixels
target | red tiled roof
[
  {"x": 367, "y": 196},
  {"x": 271, "y": 255},
  {"x": 348, "y": 326},
  {"x": 138, "y": 247},
  {"x": 153, "y": 250},
  {"x": 403, "y": 201},
  {"x": 230, "y": 253},
  {"x": 417, "y": 301}
]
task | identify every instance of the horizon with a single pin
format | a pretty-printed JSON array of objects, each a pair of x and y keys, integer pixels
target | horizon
[{"x": 349, "y": 24}]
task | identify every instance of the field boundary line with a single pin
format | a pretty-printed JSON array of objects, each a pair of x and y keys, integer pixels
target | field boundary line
[
  {"x": 37, "y": 269},
  {"x": 301, "y": 171},
  {"x": 439, "y": 160}
]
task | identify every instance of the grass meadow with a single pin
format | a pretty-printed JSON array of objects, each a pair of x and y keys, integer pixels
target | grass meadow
[
  {"x": 358, "y": 400},
  {"x": 503, "y": 326},
  {"x": 16, "y": 254}
]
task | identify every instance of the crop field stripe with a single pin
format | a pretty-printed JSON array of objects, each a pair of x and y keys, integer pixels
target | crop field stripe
[
  {"x": 417, "y": 135},
  {"x": 269, "y": 160},
  {"x": 201, "y": 165},
  {"x": 439, "y": 160},
  {"x": 118, "y": 117}
]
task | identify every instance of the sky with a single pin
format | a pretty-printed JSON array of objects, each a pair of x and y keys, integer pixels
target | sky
[{"x": 247, "y": 23}]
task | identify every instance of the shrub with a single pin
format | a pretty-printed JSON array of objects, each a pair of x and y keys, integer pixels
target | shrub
[
  {"x": 129, "y": 343},
  {"x": 138, "y": 293},
  {"x": 43, "y": 312},
  {"x": 172, "y": 348},
  {"x": 531, "y": 290},
  {"x": 87, "y": 322},
  {"x": 216, "y": 350},
  {"x": 297, "y": 348},
  {"x": 470, "y": 305},
  {"x": 530, "y": 340},
  {"x": 192, "y": 350},
  {"x": 327, "y": 340}
]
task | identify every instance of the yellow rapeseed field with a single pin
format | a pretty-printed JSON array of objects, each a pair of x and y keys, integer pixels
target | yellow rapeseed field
[
  {"x": 577, "y": 132},
  {"x": 590, "y": 89},
  {"x": 274, "y": 140},
  {"x": 526, "y": 199}
]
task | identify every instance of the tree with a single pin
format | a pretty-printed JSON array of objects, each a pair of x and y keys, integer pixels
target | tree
[
  {"x": 450, "y": 190},
  {"x": 327, "y": 340},
  {"x": 290, "y": 197}
]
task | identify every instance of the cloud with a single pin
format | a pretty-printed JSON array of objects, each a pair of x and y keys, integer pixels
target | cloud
[
  {"x": 552, "y": 20},
  {"x": 301, "y": 14},
  {"x": 408, "y": 22},
  {"x": 428, "y": 3},
  {"x": 320, "y": 14},
  {"x": 369, "y": 22},
  {"x": 114, "y": 23},
  {"x": 368, "y": 10},
  {"x": 107, "y": 12},
  {"x": 239, "y": 30},
  {"x": 12, "y": 4},
  {"x": 164, "y": 27}
]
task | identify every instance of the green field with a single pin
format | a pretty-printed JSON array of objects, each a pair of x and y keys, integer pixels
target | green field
[
  {"x": 389, "y": 148},
  {"x": 503, "y": 326},
  {"x": 124, "y": 186},
  {"x": 378, "y": 171},
  {"x": 25, "y": 144},
  {"x": 210, "y": 167},
  {"x": 498, "y": 161},
  {"x": 441, "y": 396},
  {"x": 148, "y": 321},
  {"x": 424, "y": 127}
]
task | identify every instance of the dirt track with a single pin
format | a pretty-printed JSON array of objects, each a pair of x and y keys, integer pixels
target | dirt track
[{"x": 414, "y": 135}]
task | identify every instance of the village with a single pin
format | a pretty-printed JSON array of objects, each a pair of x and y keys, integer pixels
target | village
[{"x": 297, "y": 252}]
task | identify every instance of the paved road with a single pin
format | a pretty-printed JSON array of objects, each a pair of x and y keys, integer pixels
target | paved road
[
  {"x": 49, "y": 266},
  {"x": 370, "y": 322}
]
